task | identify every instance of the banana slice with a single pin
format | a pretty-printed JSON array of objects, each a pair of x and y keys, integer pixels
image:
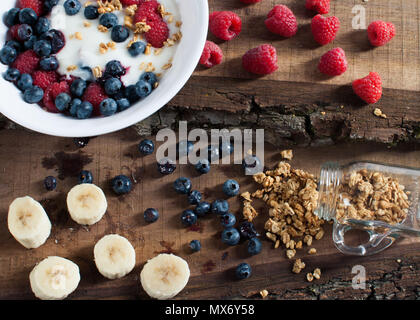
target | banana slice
[
  {"x": 28, "y": 222},
  {"x": 54, "y": 278},
  {"x": 164, "y": 276},
  {"x": 114, "y": 256},
  {"x": 86, "y": 203}
]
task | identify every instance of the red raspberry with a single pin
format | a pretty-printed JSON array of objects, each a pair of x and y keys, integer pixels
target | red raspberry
[
  {"x": 26, "y": 62},
  {"x": 320, "y": 6},
  {"x": 52, "y": 91},
  {"x": 213, "y": 15},
  {"x": 324, "y": 29},
  {"x": 281, "y": 20},
  {"x": 260, "y": 60},
  {"x": 95, "y": 94},
  {"x": 13, "y": 31},
  {"x": 148, "y": 11},
  {"x": 158, "y": 33},
  {"x": 333, "y": 63},
  {"x": 36, "y": 5},
  {"x": 130, "y": 2},
  {"x": 250, "y": 1},
  {"x": 212, "y": 55},
  {"x": 225, "y": 25},
  {"x": 380, "y": 32},
  {"x": 369, "y": 88},
  {"x": 43, "y": 79}
]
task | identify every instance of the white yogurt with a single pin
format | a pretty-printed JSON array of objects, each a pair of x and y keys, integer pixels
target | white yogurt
[{"x": 85, "y": 52}]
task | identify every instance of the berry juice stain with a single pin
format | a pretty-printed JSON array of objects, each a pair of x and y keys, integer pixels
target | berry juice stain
[
  {"x": 168, "y": 247},
  {"x": 196, "y": 228},
  {"x": 67, "y": 164},
  {"x": 208, "y": 266}
]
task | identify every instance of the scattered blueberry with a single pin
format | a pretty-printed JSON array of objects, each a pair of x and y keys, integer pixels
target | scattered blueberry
[
  {"x": 243, "y": 271},
  {"x": 28, "y": 16},
  {"x": 230, "y": 236},
  {"x": 120, "y": 33},
  {"x": 123, "y": 104},
  {"x": 132, "y": 94},
  {"x": 81, "y": 142},
  {"x": 202, "y": 208},
  {"x": 137, "y": 48},
  {"x": 247, "y": 230},
  {"x": 112, "y": 86},
  {"x": 49, "y": 63},
  {"x": 24, "y": 82},
  {"x": 56, "y": 38},
  {"x": 8, "y": 55},
  {"x": 108, "y": 20},
  {"x": 24, "y": 32},
  {"x": 195, "y": 245},
  {"x": 225, "y": 148},
  {"x": 33, "y": 94},
  {"x": 29, "y": 44},
  {"x": 251, "y": 164},
  {"x": 149, "y": 77},
  {"x": 49, "y": 4},
  {"x": 151, "y": 215},
  {"x": 12, "y": 17},
  {"x": 231, "y": 188},
  {"x": 15, "y": 45},
  {"x": 227, "y": 220},
  {"x": 182, "y": 185},
  {"x": 43, "y": 25},
  {"x": 114, "y": 68},
  {"x": 75, "y": 103},
  {"x": 213, "y": 153},
  {"x": 220, "y": 207},
  {"x": 108, "y": 107},
  {"x": 72, "y": 7},
  {"x": 85, "y": 177},
  {"x": 203, "y": 166},
  {"x": 50, "y": 183},
  {"x": 143, "y": 88},
  {"x": 84, "y": 110},
  {"x": 62, "y": 101},
  {"x": 166, "y": 166},
  {"x": 121, "y": 184},
  {"x": 184, "y": 148},
  {"x": 254, "y": 246},
  {"x": 146, "y": 147},
  {"x": 188, "y": 218},
  {"x": 11, "y": 75},
  {"x": 78, "y": 87},
  {"x": 194, "y": 197},
  {"x": 91, "y": 12},
  {"x": 42, "y": 48}
]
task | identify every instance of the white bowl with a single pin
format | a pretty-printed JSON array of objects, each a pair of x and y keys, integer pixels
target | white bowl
[{"x": 194, "y": 30}]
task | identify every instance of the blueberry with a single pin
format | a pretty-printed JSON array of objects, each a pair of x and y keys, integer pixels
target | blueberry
[
  {"x": 247, "y": 230},
  {"x": 195, "y": 245},
  {"x": 121, "y": 184},
  {"x": 8, "y": 55},
  {"x": 151, "y": 215},
  {"x": 227, "y": 220},
  {"x": 184, "y": 148},
  {"x": 78, "y": 87},
  {"x": 49, "y": 63},
  {"x": 220, "y": 207},
  {"x": 230, "y": 236},
  {"x": 202, "y": 208},
  {"x": 146, "y": 147},
  {"x": 188, "y": 218},
  {"x": 49, "y": 4},
  {"x": 108, "y": 20},
  {"x": 149, "y": 77},
  {"x": 84, "y": 110},
  {"x": 81, "y": 142},
  {"x": 132, "y": 94},
  {"x": 194, "y": 197},
  {"x": 120, "y": 33},
  {"x": 24, "y": 32},
  {"x": 203, "y": 166},
  {"x": 243, "y": 271},
  {"x": 213, "y": 153},
  {"x": 24, "y": 82},
  {"x": 112, "y": 86},
  {"x": 28, "y": 16},
  {"x": 123, "y": 104},
  {"x": 85, "y": 177},
  {"x": 166, "y": 166},
  {"x": 72, "y": 7},
  {"x": 225, "y": 148},
  {"x": 33, "y": 94},
  {"x": 251, "y": 164},
  {"x": 137, "y": 48},
  {"x": 114, "y": 68},
  {"x": 50, "y": 183},
  {"x": 231, "y": 188},
  {"x": 254, "y": 246},
  {"x": 182, "y": 185},
  {"x": 11, "y": 75},
  {"x": 73, "y": 107},
  {"x": 62, "y": 101},
  {"x": 43, "y": 25},
  {"x": 12, "y": 17},
  {"x": 29, "y": 44},
  {"x": 15, "y": 45},
  {"x": 91, "y": 12},
  {"x": 143, "y": 88},
  {"x": 42, "y": 48},
  {"x": 108, "y": 107},
  {"x": 56, "y": 38}
]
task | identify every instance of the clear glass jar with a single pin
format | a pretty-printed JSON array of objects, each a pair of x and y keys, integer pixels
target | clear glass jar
[{"x": 334, "y": 199}]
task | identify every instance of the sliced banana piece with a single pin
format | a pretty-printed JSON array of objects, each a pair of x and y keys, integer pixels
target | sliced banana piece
[
  {"x": 54, "y": 278},
  {"x": 114, "y": 256},
  {"x": 28, "y": 222},
  {"x": 164, "y": 276},
  {"x": 86, "y": 203}
]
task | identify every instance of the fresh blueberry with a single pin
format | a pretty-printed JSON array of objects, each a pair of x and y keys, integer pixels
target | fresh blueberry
[
  {"x": 230, "y": 236},
  {"x": 220, "y": 207},
  {"x": 202, "y": 208},
  {"x": 121, "y": 184},
  {"x": 131, "y": 93},
  {"x": 231, "y": 188},
  {"x": 72, "y": 7},
  {"x": 12, "y": 17},
  {"x": 50, "y": 183},
  {"x": 143, "y": 88},
  {"x": 112, "y": 86},
  {"x": 42, "y": 48},
  {"x": 151, "y": 215},
  {"x": 11, "y": 75},
  {"x": 15, "y": 45},
  {"x": 114, "y": 68},
  {"x": 119, "y": 33},
  {"x": 84, "y": 110},
  {"x": 62, "y": 101},
  {"x": 195, "y": 245},
  {"x": 33, "y": 94},
  {"x": 123, "y": 104},
  {"x": 78, "y": 87},
  {"x": 251, "y": 164},
  {"x": 225, "y": 148},
  {"x": 203, "y": 166},
  {"x": 227, "y": 220},
  {"x": 43, "y": 25},
  {"x": 73, "y": 107},
  {"x": 91, "y": 12},
  {"x": 184, "y": 148},
  {"x": 149, "y": 77},
  {"x": 49, "y": 4},
  {"x": 108, "y": 20},
  {"x": 85, "y": 177},
  {"x": 146, "y": 147},
  {"x": 254, "y": 246},
  {"x": 56, "y": 38},
  {"x": 8, "y": 55},
  {"x": 182, "y": 185},
  {"x": 49, "y": 63},
  {"x": 243, "y": 271},
  {"x": 188, "y": 218},
  {"x": 28, "y": 16},
  {"x": 29, "y": 44},
  {"x": 166, "y": 166},
  {"x": 194, "y": 197},
  {"x": 136, "y": 48},
  {"x": 24, "y": 32},
  {"x": 81, "y": 142},
  {"x": 213, "y": 153},
  {"x": 108, "y": 107},
  {"x": 24, "y": 82},
  {"x": 247, "y": 230}
]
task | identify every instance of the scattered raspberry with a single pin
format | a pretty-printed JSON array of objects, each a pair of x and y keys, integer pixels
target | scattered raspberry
[
  {"x": 333, "y": 63},
  {"x": 147, "y": 11},
  {"x": 13, "y": 31},
  {"x": 324, "y": 29},
  {"x": 213, "y": 15},
  {"x": 225, "y": 25},
  {"x": 320, "y": 6},
  {"x": 212, "y": 55},
  {"x": 52, "y": 91},
  {"x": 36, "y": 5},
  {"x": 26, "y": 62},
  {"x": 250, "y": 1},
  {"x": 43, "y": 79},
  {"x": 369, "y": 88},
  {"x": 158, "y": 33},
  {"x": 260, "y": 60},
  {"x": 130, "y": 2},
  {"x": 380, "y": 32},
  {"x": 95, "y": 94},
  {"x": 281, "y": 20}
]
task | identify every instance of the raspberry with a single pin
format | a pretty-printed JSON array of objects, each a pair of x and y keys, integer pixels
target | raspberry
[
  {"x": 320, "y": 6},
  {"x": 43, "y": 79},
  {"x": 333, "y": 63},
  {"x": 95, "y": 94},
  {"x": 324, "y": 29},
  {"x": 260, "y": 60},
  {"x": 130, "y": 2},
  {"x": 213, "y": 15},
  {"x": 52, "y": 91},
  {"x": 369, "y": 88},
  {"x": 250, "y": 1},
  {"x": 13, "y": 31},
  {"x": 158, "y": 33},
  {"x": 380, "y": 32},
  {"x": 36, "y": 5},
  {"x": 148, "y": 11},
  {"x": 281, "y": 20},
  {"x": 212, "y": 55},
  {"x": 225, "y": 25},
  {"x": 26, "y": 62}
]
